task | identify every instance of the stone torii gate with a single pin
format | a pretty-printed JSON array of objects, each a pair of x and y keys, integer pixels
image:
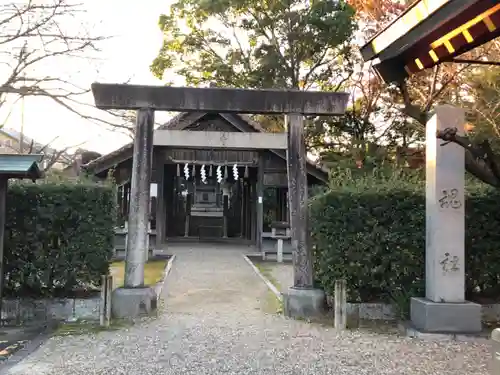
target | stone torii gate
[{"x": 135, "y": 298}]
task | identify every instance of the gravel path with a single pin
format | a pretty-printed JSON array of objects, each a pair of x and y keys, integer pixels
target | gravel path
[{"x": 214, "y": 323}]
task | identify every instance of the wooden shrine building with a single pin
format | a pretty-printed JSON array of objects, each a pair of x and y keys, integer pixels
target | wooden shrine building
[{"x": 210, "y": 171}]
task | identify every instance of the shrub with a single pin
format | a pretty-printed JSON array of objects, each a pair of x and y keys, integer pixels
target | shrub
[
  {"x": 371, "y": 231},
  {"x": 59, "y": 237}
]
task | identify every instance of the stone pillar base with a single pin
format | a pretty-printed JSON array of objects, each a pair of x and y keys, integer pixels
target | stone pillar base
[
  {"x": 129, "y": 303},
  {"x": 445, "y": 317},
  {"x": 304, "y": 303}
]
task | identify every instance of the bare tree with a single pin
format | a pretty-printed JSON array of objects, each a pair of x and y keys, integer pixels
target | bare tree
[
  {"x": 31, "y": 34},
  {"x": 35, "y": 34},
  {"x": 52, "y": 156}
]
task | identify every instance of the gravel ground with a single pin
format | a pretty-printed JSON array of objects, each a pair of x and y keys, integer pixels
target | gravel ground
[{"x": 213, "y": 322}]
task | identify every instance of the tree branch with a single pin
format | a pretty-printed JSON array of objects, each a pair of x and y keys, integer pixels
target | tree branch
[
  {"x": 410, "y": 109},
  {"x": 33, "y": 35},
  {"x": 480, "y": 159}
]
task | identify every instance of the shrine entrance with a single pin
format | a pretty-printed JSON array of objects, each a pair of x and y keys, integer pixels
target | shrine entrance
[
  {"x": 209, "y": 202},
  {"x": 206, "y": 199}
]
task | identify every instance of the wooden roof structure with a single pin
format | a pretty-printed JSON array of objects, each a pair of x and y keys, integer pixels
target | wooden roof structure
[
  {"x": 181, "y": 121},
  {"x": 430, "y": 32}
]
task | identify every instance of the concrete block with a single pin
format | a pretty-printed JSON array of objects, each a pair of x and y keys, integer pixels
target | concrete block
[
  {"x": 376, "y": 311},
  {"x": 304, "y": 303},
  {"x": 443, "y": 317},
  {"x": 490, "y": 312},
  {"x": 133, "y": 302},
  {"x": 58, "y": 309},
  {"x": 42, "y": 310},
  {"x": 87, "y": 308},
  {"x": 407, "y": 329}
]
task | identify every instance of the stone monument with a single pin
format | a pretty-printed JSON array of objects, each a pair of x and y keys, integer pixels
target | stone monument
[{"x": 444, "y": 308}]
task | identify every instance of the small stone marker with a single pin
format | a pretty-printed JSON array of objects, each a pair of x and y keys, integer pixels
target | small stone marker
[
  {"x": 495, "y": 351},
  {"x": 279, "y": 231},
  {"x": 279, "y": 253},
  {"x": 340, "y": 307}
]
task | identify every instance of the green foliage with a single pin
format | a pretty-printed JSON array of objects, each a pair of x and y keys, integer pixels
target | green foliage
[
  {"x": 59, "y": 237},
  {"x": 56, "y": 176},
  {"x": 257, "y": 43},
  {"x": 353, "y": 129},
  {"x": 370, "y": 175},
  {"x": 370, "y": 230},
  {"x": 482, "y": 240}
]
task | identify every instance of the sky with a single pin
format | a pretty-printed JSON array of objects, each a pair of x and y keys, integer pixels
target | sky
[
  {"x": 134, "y": 42},
  {"x": 126, "y": 56}
]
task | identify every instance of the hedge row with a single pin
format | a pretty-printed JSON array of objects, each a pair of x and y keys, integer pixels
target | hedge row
[
  {"x": 58, "y": 239},
  {"x": 371, "y": 231}
]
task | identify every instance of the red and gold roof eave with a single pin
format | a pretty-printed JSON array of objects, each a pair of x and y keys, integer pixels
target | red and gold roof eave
[
  {"x": 461, "y": 35},
  {"x": 412, "y": 25},
  {"x": 456, "y": 27}
]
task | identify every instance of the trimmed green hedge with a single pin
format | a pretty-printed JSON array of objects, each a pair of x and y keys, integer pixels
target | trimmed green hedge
[
  {"x": 371, "y": 231},
  {"x": 58, "y": 239}
]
